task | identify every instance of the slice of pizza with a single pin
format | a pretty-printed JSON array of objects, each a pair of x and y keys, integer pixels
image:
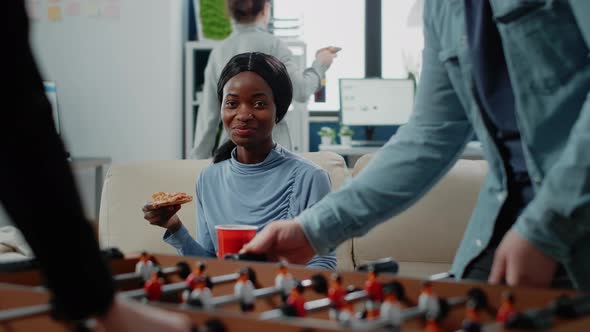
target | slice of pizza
[{"x": 161, "y": 198}]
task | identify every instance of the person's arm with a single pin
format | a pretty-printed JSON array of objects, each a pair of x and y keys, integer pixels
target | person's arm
[
  {"x": 405, "y": 169},
  {"x": 559, "y": 215},
  {"x": 184, "y": 242},
  {"x": 208, "y": 116},
  {"x": 305, "y": 81},
  {"x": 313, "y": 188},
  {"x": 38, "y": 189}
]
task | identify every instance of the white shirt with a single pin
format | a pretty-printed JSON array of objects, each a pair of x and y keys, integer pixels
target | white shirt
[{"x": 245, "y": 291}]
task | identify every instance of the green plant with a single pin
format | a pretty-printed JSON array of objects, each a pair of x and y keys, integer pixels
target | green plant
[
  {"x": 345, "y": 131},
  {"x": 327, "y": 131}
]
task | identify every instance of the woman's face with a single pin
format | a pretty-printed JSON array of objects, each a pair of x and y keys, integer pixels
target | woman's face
[{"x": 248, "y": 111}]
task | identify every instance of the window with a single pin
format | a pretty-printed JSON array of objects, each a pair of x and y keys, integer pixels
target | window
[
  {"x": 402, "y": 37},
  {"x": 330, "y": 23}
]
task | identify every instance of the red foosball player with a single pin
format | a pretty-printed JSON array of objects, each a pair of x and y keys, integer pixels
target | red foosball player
[
  {"x": 244, "y": 290},
  {"x": 428, "y": 301},
  {"x": 374, "y": 289},
  {"x": 391, "y": 310},
  {"x": 197, "y": 272},
  {"x": 296, "y": 301},
  {"x": 507, "y": 308},
  {"x": 336, "y": 295},
  {"x": 472, "y": 321},
  {"x": 284, "y": 281},
  {"x": 153, "y": 287}
]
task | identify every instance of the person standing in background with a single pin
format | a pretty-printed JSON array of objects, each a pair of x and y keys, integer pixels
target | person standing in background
[{"x": 250, "y": 35}]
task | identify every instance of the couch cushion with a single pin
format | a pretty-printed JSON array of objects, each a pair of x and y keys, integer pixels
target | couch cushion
[
  {"x": 424, "y": 238},
  {"x": 129, "y": 186}
]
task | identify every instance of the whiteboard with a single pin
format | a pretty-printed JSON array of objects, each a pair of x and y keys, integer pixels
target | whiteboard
[
  {"x": 375, "y": 101},
  {"x": 119, "y": 73}
]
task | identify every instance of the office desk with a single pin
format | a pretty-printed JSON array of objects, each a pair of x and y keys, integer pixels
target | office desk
[
  {"x": 472, "y": 151},
  {"x": 97, "y": 163}
]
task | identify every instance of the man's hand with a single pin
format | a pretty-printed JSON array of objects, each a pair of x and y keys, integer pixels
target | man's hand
[
  {"x": 283, "y": 239},
  {"x": 519, "y": 263}
]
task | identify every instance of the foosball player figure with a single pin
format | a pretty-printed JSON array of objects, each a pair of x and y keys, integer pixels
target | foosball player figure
[
  {"x": 428, "y": 301},
  {"x": 507, "y": 308},
  {"x": 374, "y": 289},
  {"x": 145, "y": 267},
  {"x": 284, "y": 281},
  {"x": 336, "y": 296},
  {"x": 391, "y": 310},
  {"x": 201, "y": 295},
  {"x": 190, "y": 280},
  {"x": 296, "y": 301},
  {"x": 472, "y": 321},
  {"x": 244, "y": 290},
  {"x": 153, "y": 287},
  {"x": 347, "y": 316}
]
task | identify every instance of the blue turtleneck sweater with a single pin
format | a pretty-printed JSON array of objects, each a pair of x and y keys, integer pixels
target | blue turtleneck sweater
[{"x": 230, "y": 192}]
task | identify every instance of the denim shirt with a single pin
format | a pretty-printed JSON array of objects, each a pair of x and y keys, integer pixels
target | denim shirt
[{"x": 546, "y": 49}]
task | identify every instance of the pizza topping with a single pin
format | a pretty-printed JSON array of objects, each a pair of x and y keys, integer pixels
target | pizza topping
[{"x": 163, "y": 198}]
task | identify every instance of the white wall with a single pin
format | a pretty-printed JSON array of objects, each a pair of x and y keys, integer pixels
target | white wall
[{"x": 119, "y": 80}]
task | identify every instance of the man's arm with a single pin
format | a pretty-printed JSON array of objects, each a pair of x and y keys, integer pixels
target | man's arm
[{"x": 405, "y": 168}]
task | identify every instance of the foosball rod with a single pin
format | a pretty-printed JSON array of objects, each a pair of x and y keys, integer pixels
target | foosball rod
[
  {"x": 42, "y": 309},
  {"x": 259, "y": 293}
]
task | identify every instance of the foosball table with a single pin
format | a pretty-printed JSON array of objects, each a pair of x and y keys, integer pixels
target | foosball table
[{"x": 239, "y": 295}]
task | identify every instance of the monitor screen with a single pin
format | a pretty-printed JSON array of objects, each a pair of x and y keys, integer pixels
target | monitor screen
[
  {"x": 51, "y": 93},
  {"x": 375, "y": 101}
]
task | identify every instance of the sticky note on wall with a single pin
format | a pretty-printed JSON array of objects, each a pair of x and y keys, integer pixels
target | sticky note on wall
[{"x": 54, "y": 13}]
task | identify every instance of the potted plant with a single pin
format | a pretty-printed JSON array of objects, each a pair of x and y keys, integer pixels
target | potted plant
[
  {"x": 345, "y": 134},
  {"x": 327, "y": 134}
]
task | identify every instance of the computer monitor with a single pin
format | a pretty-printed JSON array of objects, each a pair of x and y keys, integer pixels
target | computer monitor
[
  {"x": 51, "y": 93},
  {"x": 376, "y": 101}
]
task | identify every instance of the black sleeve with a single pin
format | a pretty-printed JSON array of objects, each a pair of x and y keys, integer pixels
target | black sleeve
[{"x": 37, "y": 187}]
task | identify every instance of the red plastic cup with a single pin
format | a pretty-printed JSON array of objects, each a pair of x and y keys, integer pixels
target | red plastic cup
[{"x": 231, "y": 238}]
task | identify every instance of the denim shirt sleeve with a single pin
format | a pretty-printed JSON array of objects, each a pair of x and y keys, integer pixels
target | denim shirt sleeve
[
  {"x": 313, "y": 188},
  {"x": 559, "y": 215},
  {"x": 405, "y": 168}
]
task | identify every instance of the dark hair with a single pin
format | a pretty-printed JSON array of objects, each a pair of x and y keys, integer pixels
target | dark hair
[
  {"x": 272, "y": 71},
  {"x": 245, "y": 11}
]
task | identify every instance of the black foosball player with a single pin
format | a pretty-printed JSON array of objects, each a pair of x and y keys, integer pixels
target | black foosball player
[
  {"x": 244, "y": 290},
  {"x": 36, "y": 158},
  {"x": 472, "y": 321}
]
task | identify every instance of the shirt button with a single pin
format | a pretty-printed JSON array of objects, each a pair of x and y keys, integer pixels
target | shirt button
[
  {"x": 500, "y": 196},
  {"x": 478, "y": 243}
]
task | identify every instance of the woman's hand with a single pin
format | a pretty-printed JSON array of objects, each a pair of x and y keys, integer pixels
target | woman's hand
[{"x": 164, "y": 216}]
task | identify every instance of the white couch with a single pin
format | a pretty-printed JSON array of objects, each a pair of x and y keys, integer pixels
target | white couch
[
  {"x": 423, "y": 239},
  {"x": 129, "y": 186}
]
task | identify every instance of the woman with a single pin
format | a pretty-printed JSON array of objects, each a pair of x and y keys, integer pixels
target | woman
[
  {"x": 250, "y": 35},
  {"x": 253, "y": 179}
]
